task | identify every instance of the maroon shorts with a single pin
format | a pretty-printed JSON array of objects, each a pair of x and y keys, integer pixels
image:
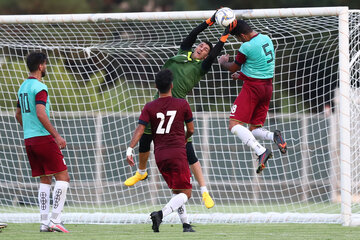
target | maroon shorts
[
  {"x": 44, "y": 156},
  {"x": 176, "y": 172},
  {"x": 252, "y": 104}
]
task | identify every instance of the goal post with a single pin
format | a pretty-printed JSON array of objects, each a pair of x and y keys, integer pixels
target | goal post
[{"x": 100, "y": 74}]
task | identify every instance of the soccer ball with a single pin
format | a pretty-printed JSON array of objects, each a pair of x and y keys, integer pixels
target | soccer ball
[{"x": 224, "y": 16}]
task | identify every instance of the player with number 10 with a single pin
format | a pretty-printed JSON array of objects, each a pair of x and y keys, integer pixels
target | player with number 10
[{"x": 256, "y": 61}]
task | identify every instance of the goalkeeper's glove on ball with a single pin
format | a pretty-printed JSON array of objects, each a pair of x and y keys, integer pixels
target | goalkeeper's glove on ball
[
  {"x": 228, "y": 30},
  {"x": 210, "y": 21}
]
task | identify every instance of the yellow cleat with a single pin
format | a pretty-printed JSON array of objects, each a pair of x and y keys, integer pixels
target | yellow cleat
[
  {"x": 209, "y": 203},
  {"x": 136, "y": 178}
]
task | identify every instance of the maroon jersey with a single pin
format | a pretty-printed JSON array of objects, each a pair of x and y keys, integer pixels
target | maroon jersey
[{"x": 167, "y": 116}]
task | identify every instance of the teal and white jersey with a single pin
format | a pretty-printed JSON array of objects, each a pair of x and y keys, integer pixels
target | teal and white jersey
[
  {"x": 26, "y": 95},
  {"x": 260, "y": 57}
]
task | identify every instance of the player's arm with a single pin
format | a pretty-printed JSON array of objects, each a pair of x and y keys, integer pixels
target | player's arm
[
  {"x": 45, "y": 121},
  {"x": 189, "y": 129},
  {"x": 189, "y": 41},
  {"x": 134, "y": 140},
  {"x": 18, "y": 114},
  {"x": 206, "y": 64},
  {"x": 41, "y": 99}
]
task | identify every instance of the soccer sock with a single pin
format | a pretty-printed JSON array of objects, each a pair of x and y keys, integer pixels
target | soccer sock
[
  {"x": 59, "y": 196},
  {"x": 142, "y": 171},
  {"x": 44, "y": 202},
  {"x": 203, "y": 189},
  {"x": 263, "y": 134},
  {"x": 175, "y": 202},
  {"x": 182, "y": 214},
  {"x": 247, "y": 138}
]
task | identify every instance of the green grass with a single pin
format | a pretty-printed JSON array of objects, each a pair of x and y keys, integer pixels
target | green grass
[{"x": 203, "y": 231}]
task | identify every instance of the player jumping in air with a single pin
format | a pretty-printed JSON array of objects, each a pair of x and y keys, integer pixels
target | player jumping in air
[
  {"x": 188, "y": 69},
  {"x": 256, "y": 61},
  {"x": 43, "y": 143},
  {"x": 167, "y": 115}
]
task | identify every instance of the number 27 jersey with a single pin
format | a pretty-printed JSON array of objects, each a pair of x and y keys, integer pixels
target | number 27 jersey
[{"x": 167, "y": 116}]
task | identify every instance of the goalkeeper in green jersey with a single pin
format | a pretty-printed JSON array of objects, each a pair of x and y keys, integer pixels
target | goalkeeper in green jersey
[{"x": 188, "y": 68}]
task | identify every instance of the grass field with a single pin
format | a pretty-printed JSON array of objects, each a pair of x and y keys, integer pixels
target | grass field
[{"x": 168, "y": 231}]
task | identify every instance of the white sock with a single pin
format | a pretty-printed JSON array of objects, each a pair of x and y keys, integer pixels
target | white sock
[
  {"x": 203, "y": 189},
  {"x": 175, "y": 202},
  {"x": 247, "y": 138},
  {"x": 263, "y": 134},
  {"x": 44, "y": 202},
  {"x": 142, "y": 171},
  {"x": 59, "y": 196},
  {"x": 182, "y": 214}
]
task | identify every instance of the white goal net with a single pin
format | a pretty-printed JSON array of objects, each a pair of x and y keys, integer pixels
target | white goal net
[{"x": 100, "y": 73}]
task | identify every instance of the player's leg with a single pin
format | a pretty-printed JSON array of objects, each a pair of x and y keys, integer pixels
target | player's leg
[
  {"x": 184, "y": 219},
  {"x": 37, "y": 170},
  {"x": 177, "y": 175},
  {"x": 179, "y": 199},
  {"x": 259, "y": 117},
  {"x": 264, "y": 134},
  {"x": 44, "y": 202},
  {"x": 248, "y": 100},
  {"x": 59, "y": 197},
  {"x": 53, "y": 164},
  {"x": 144, "y": 153},
  {"x": 195, "y": 168}
]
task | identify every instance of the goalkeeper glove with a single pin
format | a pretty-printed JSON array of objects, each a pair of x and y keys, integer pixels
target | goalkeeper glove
[
  {"x": 227, "y": 31},
  {"x": 211, "y": 21}
]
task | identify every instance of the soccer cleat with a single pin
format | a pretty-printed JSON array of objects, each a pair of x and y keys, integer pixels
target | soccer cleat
[
  {"x": 156, "y": 218},
  {"x": 262, "y": 160},
  {"x": 280, "y": 142},
  {"x": 209, "y": 203},
  {"x": 136, "y": 178},
  {"x": 188, "y": 228},
  {"x": 44, "y": 228},
  {"x": 57, "y": 227},
  {"x": 3, "y": 225}
]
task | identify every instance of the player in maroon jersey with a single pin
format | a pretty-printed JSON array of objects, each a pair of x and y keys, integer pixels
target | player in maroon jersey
[{"x": 167, "y": 116}]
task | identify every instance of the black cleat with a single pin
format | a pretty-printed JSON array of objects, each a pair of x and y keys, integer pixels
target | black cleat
[
  {"x": 280, "y": 142},
  {"x": 262, "y": 160},
  {"x": 188, "y": 228},
  {"x": 156, "y": 218}
]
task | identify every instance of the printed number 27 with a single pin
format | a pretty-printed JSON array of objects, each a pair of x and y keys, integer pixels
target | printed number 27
[
  {"x": 160, "y": 129},
  {"x": 268, "y": 52}
]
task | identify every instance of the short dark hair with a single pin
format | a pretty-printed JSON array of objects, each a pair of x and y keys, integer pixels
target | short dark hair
[
  {"x": 34, "y": 59},
  {"x": 163, "y": 80},
  {"x": 209, "y": 44},
  {"x": 241, "y": 28}
]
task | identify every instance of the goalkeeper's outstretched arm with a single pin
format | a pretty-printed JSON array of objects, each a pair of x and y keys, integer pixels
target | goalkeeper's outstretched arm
[
  {"x": 189, "y": 41},
  {"x": 206, "y": 64}
]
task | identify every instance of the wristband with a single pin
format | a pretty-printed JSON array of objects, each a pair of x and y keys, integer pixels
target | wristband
[{"x": 129, "y": 151}]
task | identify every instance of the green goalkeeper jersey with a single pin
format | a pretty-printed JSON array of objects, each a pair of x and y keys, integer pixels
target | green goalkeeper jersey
[{"x": 187, "y": 72}]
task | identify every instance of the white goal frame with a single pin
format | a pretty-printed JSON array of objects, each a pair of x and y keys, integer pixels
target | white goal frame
[{"x": 346, "y": 217}]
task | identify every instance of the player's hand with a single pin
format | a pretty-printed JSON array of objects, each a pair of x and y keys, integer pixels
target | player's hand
[
  {"x": 235, "y": 75},
  {"x": 223, "y": 59},
  {"x": 60, "y": 142},
  {"x": 211, "y": 21},
  {"x": 129, "y": 156},
  {"x": 228, "y": 30}
]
